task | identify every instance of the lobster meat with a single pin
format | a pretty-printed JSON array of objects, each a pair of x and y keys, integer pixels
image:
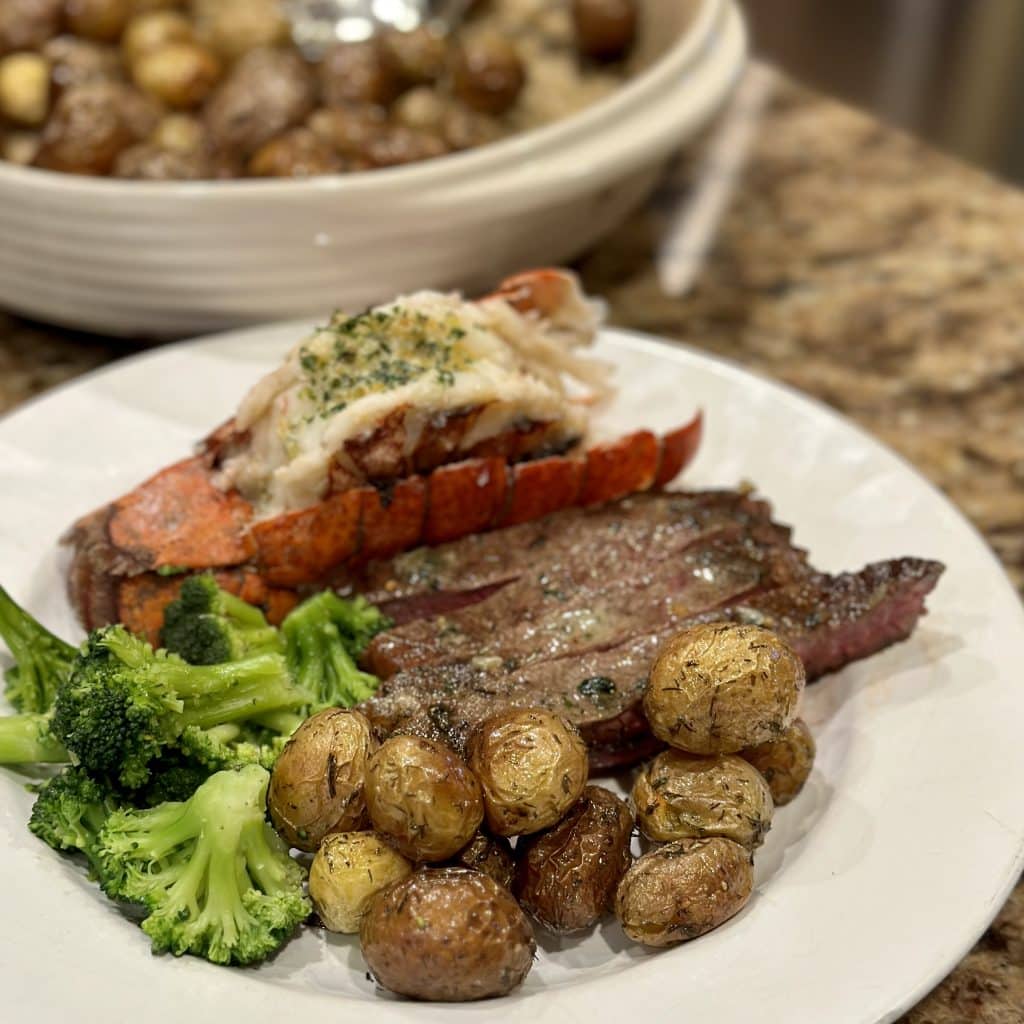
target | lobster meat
[{"x": 379, "y": 494}]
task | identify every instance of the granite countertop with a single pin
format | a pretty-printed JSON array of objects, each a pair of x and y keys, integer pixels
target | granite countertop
[{"x": 866, "y": 269}]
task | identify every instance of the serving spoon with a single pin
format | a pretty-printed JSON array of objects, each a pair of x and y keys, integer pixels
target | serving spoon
[{"x": 317, "y": 24}]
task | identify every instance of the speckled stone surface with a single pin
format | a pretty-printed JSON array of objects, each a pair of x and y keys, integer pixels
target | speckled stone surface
[{"x": 865, "y": 269}]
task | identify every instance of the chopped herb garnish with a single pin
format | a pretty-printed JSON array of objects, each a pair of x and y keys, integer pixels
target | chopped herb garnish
[{"x": 596, "y": 687}]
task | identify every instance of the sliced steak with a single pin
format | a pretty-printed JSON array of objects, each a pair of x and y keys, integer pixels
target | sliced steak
[
  {"x": 555, "y": 614},
  {"x": 578, "y": 634},
  {"x": 431, "y": 580}
]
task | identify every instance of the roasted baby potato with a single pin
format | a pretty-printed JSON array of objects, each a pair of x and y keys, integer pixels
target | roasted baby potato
[
  {"x": 27, "y": 24},
  {"x": 91, "y": 124},
  {"x": 181, "y": 75},
  {"x": 232, "y": 28},
  {"x": 356, "y": 73},
  {"x": 605, "y": 29},
  {"x": 423, "y": 798},
  {"x": 785, "y": 763},
  {"x": 298, "y": 153},
  {"x": 683, "y": 889},
  {"x": 422, "y": 109},
  {"x": 265, "y": 93},
  {"x": 179, "y": 133},
  {"x": 349, "y": 869},
  {"x": 316, "y": 786},
  {"x": 349, "y": 130},
  {"x": 490, "y": 854},
  {"x": 683, "y": 796},
  {"x": 447, "y": 934},
  {"x": 567, "y": 876},
  {"x": 24, "y": 89},
  {"x": 151, "y": 31},
  {"x": 414, "y": 58},
  {"x": 100, "y": 20},
  {"x": 487, "y": 73},
  {"x": 719, "y": 687},
  {"x": 532, "y": 766}
]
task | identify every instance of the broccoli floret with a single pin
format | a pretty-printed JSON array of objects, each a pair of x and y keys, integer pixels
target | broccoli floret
[
  {"x": 125, "y": 704},
  {"x": 323, "y": 636},
  {"x": 215, "y": 877},
  {"x": 70, "y": 811},
  {"x": 230, "y": 746},
  {"x": 173, "y": 776},
  {"x": 207, "y": 625},
  {"x": 42, "y": 661},
  {"x": 28, "y": 739}
]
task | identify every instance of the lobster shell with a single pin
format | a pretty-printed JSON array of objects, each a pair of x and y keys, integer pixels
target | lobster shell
[{"x": 129, "y": 557}]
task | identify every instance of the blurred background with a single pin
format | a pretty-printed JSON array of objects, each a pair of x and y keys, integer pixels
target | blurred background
[{"x": 947, "y": 70}]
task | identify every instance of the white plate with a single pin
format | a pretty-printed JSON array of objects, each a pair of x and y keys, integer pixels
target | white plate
[{"x": 872, "y": 884}]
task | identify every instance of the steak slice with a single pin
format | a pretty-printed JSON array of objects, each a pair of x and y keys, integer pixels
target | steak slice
[
  {"x": 555, "y": 614},
  {"x": 582, "y": 543},
  {"x": 573, "y": 621}
]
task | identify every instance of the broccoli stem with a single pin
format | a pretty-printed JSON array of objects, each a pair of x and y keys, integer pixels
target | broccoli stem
[
  {"x": 26, "y": 739},
  {"x": 218, "y": 882}
]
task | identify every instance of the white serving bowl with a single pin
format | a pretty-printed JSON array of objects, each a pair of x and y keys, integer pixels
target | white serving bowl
[{"x": 156, "y": 258}]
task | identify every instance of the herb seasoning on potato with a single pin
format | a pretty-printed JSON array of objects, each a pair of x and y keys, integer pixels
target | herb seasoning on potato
[
  {"x": 682, "y": 796},
  {"x": 683, "y": 889},
  {"x": 719, "y": 687},
  {"x": 423, "y": 798},
  {"x": 349, "y": 869},
  {"x": 447, "y": 934},
  {"x": 532, "y": 766},
  {"x": 317, "y": 784}
]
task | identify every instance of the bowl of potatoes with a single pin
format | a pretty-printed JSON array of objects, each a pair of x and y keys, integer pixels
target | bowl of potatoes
[
  {"x": 453, "y": 860},
  {"x": 175, "y": 166}
]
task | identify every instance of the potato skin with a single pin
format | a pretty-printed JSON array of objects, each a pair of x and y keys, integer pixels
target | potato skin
[
  {"x": 567, "y": 876},
  {"x": 683, "y": 889},
  {"x": 683, "y": 796},
  {"x": 490, "y": 854},
  {"x": 447, "y": 934},
  {"x": 532, "y": 766},
  {"x": 785, "y": 763},
  {"x": 349, "y": 869},
  {"x": 316, "y": 787},
  {"x": 90, "y": 126},
  {"x": 266, "y": 92},
  {"x": 423, "y": 798},
  {"x": 721, "y": 686},
  {"x": 27, "y": 24}
]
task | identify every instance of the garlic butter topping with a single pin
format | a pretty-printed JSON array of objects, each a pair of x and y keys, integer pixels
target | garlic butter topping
[{"x": 404, "y": 368}]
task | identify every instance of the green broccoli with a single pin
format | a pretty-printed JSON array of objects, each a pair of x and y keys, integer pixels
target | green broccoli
[
  {"x": 232, "y": 746},
  {"x": 42, "y": 661},
  {"x": 206, "y": 625},
  {"x": 125, "y": 704},
  {"x": 70, "y": 811},
  {"x": 323, "y": 636},
  {"x": 27, "y": 739},
  {"x": 215, "y": 877}
]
